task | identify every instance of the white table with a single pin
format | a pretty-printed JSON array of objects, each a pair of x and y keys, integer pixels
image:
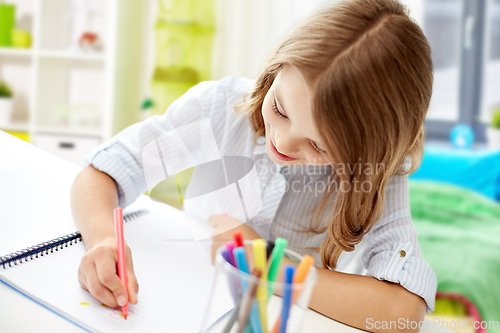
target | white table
[{"x": 18, "y": 313}]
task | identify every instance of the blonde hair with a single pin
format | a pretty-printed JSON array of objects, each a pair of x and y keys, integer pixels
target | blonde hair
[{"x": 371, "y": 69}]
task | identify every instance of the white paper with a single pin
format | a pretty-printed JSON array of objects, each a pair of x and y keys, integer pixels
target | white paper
[{"x": 175, "y": 279}]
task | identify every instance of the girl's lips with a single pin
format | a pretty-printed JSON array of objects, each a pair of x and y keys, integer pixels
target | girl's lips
[{"x": 279, "y": 155}]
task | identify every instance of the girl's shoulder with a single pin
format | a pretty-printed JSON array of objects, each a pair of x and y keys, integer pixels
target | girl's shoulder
[
  {"x": 216, "y": 98},
  {"x": 236, "y": 83},
  {"x": 223, "y": 88},
  {"x": 215, "y": 101}
]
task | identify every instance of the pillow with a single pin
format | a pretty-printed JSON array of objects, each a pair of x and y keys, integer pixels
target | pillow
[{"x": 477, "y": 170}]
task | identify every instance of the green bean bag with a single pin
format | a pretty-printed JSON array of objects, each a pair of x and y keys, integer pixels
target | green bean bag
[{"x": 459, "y": 233}]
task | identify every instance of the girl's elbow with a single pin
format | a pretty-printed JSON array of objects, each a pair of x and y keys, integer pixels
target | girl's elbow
[{"x": 412, "y": 312}]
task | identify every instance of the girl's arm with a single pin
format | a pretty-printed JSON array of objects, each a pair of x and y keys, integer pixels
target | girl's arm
[
  {"x": 366, "y": 302},
  {"x": 114, "y": 176},
  {"x": 360, "y": 301},
  {"x": 93, "y": 197}
]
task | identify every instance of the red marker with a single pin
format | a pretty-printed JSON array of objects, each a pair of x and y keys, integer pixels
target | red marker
[
  {"x": 238, "y": 238},
  {"x": 120, "y": 251}
]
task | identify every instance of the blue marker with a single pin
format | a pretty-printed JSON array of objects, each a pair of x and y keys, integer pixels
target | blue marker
[
  {"x": 241, "y": 262},
  {"x": 241, "y": 259},
  {"x": 287, "y": 296}
]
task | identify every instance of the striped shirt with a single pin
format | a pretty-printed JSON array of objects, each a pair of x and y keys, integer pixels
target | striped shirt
[{"x": 389, "y": 251}]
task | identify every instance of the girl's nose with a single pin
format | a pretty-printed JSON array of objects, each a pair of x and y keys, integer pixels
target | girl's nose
[{"x": 286, "y": 145}]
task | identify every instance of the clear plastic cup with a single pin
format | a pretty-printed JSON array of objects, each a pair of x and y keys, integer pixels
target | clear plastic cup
[{"x": 227, "y": 290}]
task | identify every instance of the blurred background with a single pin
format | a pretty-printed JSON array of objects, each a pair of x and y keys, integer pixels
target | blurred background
[
  {"x": 75, "y": 72},
  {"x": 89, "y": 68}
]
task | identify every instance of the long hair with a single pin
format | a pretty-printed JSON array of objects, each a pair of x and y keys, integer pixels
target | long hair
[{"x": 371, "y": 69}]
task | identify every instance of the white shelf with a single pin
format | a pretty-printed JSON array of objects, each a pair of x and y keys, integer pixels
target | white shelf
[
  {"x": 68, "y": 131},
  {"x": 15, "y": 51},
  {"x": 17, "y": 127},
  {"x": 53, "y": 84},
  {"x": 72, "y": 55},
  {"x": 51, "y": 54}
]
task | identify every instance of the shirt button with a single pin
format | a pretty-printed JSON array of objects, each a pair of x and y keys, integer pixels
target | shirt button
[{"x": 402, "y": 253}]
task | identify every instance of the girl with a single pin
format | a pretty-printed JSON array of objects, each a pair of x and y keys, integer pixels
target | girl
[{"x": 334, "y": 124}]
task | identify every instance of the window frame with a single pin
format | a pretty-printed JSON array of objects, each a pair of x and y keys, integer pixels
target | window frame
[{"x": 472, "y": 40}]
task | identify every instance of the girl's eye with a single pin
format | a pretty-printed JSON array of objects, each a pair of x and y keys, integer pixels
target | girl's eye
[
  {"x": 275, "y": 108},
  {"x": 315, "y": 146}
]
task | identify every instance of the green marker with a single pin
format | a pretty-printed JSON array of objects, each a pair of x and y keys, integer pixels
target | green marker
[{"x": 276, "y": 257}]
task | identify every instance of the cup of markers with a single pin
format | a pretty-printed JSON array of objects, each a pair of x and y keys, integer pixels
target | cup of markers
[{"x": 263, "y": 292}]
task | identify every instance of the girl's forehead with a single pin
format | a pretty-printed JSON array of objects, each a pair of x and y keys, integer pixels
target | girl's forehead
[
  {"x": 292, "y": 89},
  {"x": 294, "y": 95}
]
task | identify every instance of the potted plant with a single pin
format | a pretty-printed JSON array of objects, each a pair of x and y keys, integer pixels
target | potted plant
[
  {"x": 5, "y": 104},
  {"x": 493, "y": 131}
]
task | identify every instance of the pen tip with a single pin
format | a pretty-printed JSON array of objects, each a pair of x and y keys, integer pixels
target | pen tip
[{"x": 125, "y": 317}]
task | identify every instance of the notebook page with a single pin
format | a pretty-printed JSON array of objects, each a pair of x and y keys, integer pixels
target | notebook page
[{"x": 175, "y": 280}]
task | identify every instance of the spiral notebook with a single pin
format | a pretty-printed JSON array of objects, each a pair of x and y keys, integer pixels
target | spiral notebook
[{"x": 175, "y": 275}]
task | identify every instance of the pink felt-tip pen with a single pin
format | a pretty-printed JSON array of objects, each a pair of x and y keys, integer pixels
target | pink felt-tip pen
[
  {"x": 230, "y": 246},
  {"x": 120, "y": 251}
]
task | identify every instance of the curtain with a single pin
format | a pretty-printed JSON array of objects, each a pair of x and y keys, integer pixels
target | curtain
[{"x": 247, "y": 31}]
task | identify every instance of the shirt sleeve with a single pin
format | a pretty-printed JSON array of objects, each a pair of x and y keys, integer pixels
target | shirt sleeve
[
  {"x": 393, "y": 253},
  {"x": 121, "y": 156}
]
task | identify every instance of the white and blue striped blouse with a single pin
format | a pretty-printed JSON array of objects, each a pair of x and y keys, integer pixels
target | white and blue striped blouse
[{"x": 389, "y": 251}]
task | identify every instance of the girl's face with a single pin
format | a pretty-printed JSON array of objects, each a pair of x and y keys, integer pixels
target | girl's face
[{"x": 291, "y": 134}]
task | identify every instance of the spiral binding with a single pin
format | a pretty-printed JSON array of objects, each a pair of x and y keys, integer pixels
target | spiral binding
[{"x": 32, "y": 252}]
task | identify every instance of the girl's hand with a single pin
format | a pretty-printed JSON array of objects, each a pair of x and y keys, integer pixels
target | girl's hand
[
  {"x": 97, "y": 274},
  {"x": 224, "y": 226}
]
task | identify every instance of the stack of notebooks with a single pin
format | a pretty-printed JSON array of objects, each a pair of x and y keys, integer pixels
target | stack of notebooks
[{"x": 41, "y": 250}]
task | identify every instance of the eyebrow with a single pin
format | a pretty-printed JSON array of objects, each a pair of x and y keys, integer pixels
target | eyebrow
[{"x": 320, "y": 146}]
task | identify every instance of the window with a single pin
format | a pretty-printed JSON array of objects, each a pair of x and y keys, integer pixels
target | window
[
  {"x": 464, "y": 36},
  {"x": 491, "y": 75}
]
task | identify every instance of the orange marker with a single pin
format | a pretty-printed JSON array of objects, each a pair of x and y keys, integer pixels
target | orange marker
[
  {"x": 120, "y": 251},
  {"x": 299, "y": 277}
]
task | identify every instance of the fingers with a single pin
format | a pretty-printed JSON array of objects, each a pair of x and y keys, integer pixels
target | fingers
[
  {"x": 97, "y": 274},
  {"x": 221, "y": 236},
  {"x": 82, "y": 279},
  {"x": 133, "y": 287},
  {"x": 223, "y": 221},
  {"x": 106, "y": 272},
  {"x": 214, "y": 220},
  {"x": 132, "y": 284},
  {"x": 98, "y": 290},
  {"x": 221, "y": 233}
]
